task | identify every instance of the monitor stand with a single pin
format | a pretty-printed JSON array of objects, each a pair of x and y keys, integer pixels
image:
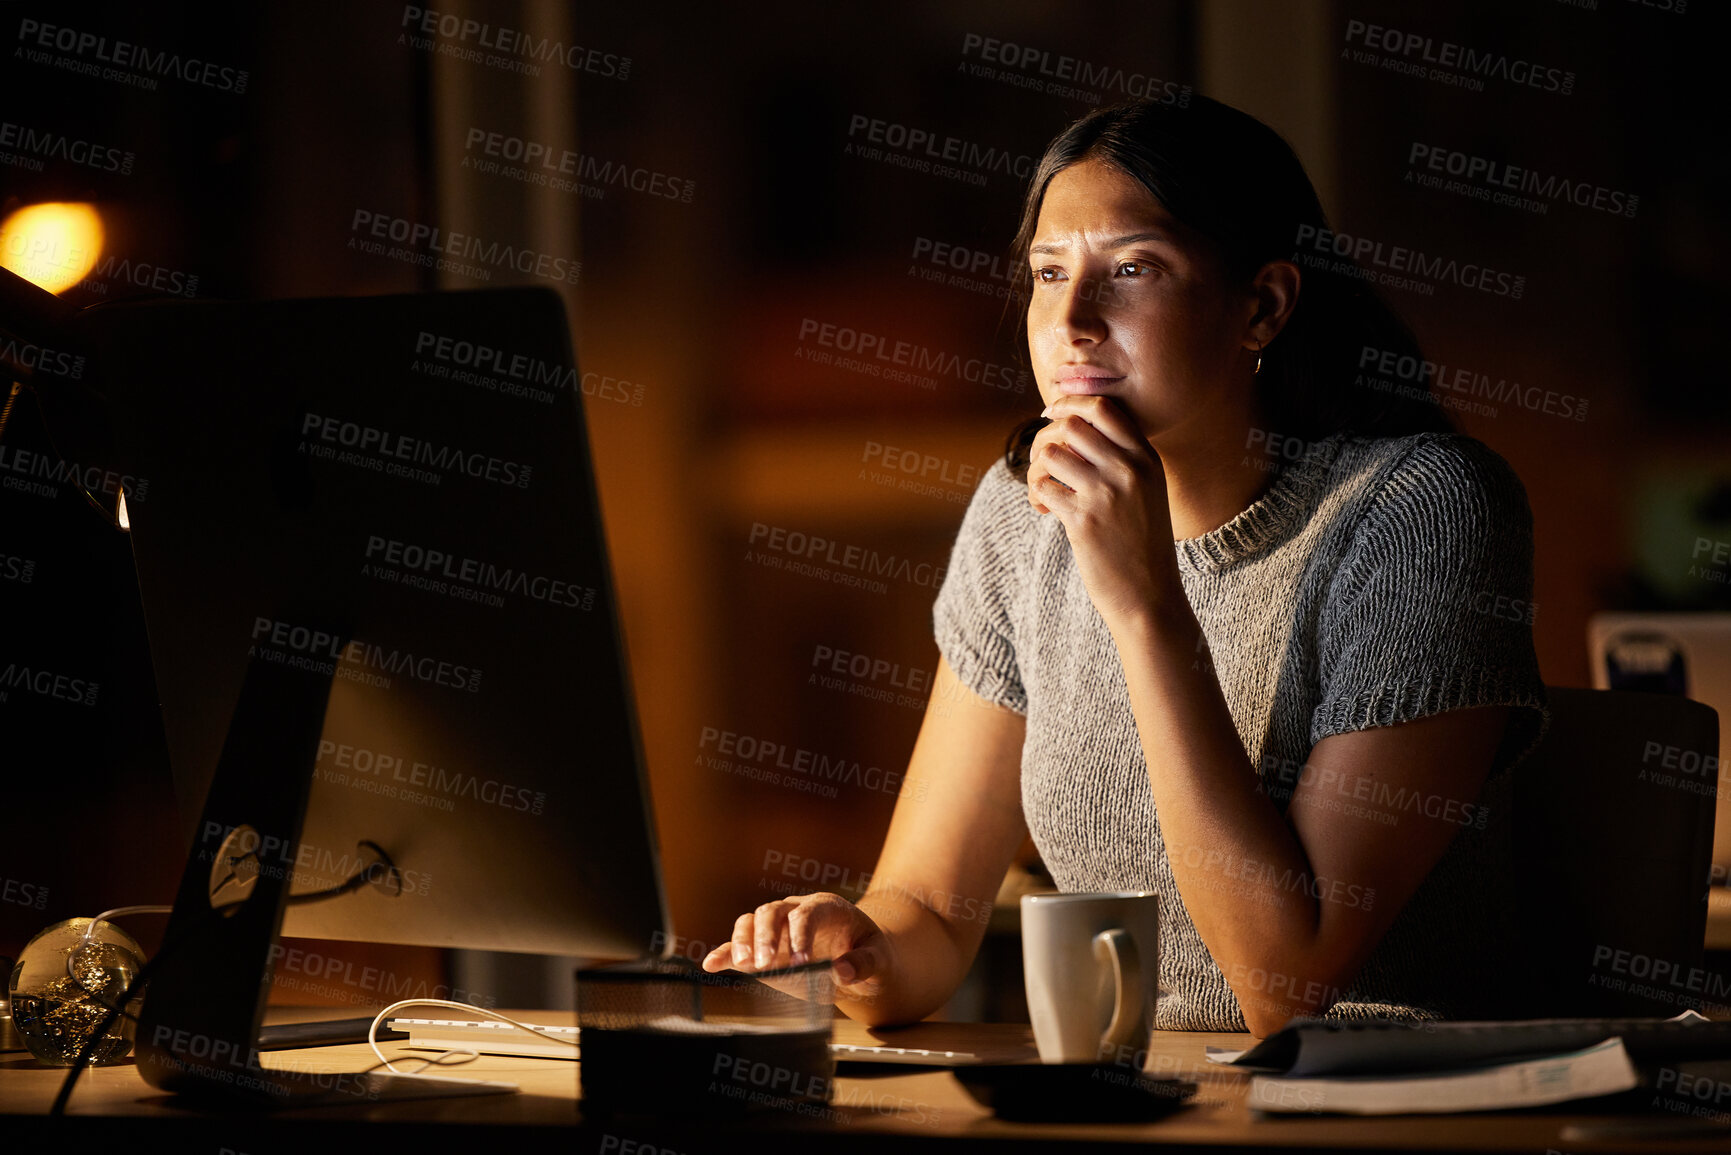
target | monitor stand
[{"x": 199, "y": 1026}]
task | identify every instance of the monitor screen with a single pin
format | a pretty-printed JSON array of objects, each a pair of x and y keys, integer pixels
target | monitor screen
[{"x": 396, "y": 494}]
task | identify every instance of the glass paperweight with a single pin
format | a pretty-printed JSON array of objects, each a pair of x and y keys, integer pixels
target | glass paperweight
[
  {"x": 63, "y": 986},
  {"x": 668, "y": 1038}
]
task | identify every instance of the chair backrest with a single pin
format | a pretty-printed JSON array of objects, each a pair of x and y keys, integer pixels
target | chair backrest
[{"x": 1613, "y": 828}]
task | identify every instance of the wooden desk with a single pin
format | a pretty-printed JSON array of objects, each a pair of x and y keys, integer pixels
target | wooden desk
[{"x": 115, "y": 1112}]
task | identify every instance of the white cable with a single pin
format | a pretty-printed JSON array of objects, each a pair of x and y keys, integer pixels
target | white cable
[
  {"x": 373, "y": 1031},
  {"x": 442, "y": 1059},
  {"x": 90, "y": 931}
]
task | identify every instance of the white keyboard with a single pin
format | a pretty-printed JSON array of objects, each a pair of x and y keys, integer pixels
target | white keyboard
[
  {"x": 913, "y": 1055},
  {"x": 496, "y": 1038},
  {"x": 488, "y": 1037}
]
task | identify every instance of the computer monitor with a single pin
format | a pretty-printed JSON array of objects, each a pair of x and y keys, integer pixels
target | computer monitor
[
  {"x": 86, "y": 764},
  {"x": 377, "y": 595}
]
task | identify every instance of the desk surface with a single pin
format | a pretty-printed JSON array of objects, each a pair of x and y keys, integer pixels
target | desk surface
[{"x": 114, "y": 1111}]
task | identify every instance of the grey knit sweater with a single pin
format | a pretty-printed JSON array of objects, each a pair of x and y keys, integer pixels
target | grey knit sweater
[{"x": 1375, "y": 581}]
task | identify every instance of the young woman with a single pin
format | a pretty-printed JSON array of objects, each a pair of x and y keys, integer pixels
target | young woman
[{"x": 1234, "y": 622}]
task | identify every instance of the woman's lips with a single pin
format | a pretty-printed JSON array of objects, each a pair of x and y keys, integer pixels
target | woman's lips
[{"x": 1085, "y": 379}]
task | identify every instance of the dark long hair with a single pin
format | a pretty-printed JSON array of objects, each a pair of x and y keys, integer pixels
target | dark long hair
[{"x": 1235, "y": 181}]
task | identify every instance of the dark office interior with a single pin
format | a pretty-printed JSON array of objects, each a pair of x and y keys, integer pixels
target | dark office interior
[{"x": 726, "y": 203}]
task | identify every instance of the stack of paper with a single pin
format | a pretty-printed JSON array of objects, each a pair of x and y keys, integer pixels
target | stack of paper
[{"x": 1383, "y": 1067}]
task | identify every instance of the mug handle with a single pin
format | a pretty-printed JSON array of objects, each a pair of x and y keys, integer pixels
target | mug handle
[{"x": 1119, "y": 946}]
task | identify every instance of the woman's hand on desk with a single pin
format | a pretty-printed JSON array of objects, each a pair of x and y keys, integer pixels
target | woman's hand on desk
[{"x": 803, "y": 927}]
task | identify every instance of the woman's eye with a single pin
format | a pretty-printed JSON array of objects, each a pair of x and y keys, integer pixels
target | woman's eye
[
  {"x": 1134, "y": 268},
  {"x": 1046, "y": 275}
]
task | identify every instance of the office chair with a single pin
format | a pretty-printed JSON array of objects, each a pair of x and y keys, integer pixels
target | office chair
[{"x": 1613, "y": 828}]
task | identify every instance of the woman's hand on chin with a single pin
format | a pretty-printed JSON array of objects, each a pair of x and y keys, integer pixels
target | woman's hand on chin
[{"x": 1092, "y": 468}]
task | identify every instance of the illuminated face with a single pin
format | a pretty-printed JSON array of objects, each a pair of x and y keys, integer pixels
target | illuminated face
[{"x": 1130, "y": 303}]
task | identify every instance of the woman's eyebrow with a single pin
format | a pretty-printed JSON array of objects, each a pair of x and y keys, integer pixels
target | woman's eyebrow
[
  {"x": 1137, "y": 238},
  {"x": 1053, "y": 248}
]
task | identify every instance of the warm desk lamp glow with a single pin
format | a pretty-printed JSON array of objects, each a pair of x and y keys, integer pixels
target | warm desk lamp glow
[{"x": 53, "y": 245}]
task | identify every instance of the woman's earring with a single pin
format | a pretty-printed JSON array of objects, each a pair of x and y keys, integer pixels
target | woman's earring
[{"x": 1258, "y": 368}]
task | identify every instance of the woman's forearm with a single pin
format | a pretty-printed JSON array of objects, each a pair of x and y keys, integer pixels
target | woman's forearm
[
  {"x": 1241, "y": 870},
  {"x": 925, "y": 962}
]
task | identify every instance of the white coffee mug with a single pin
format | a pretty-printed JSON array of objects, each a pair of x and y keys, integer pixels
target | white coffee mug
[{"x": 1092, "y": 965}]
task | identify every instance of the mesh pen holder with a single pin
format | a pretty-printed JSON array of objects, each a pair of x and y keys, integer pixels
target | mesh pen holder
[{"x": 667, "y": 1038}]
